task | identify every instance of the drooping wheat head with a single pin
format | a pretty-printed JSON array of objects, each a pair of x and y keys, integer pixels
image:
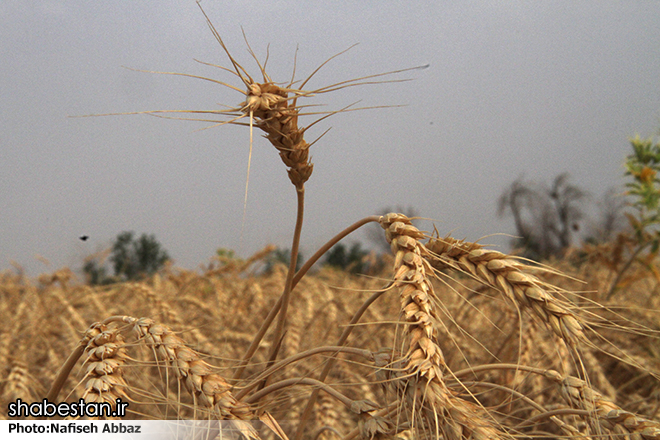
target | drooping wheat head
[
  {"x": 207, "y": 388},
  {"x": 103, "y": 366},
  {"x": 604, "y": 414},
  {"x": 512, "y": 278}
]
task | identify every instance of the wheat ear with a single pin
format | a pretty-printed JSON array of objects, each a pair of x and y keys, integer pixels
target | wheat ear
[
  {"x": 19, "y": 383},
  {"x": 106, "y": 355},
  {"x": 421, "y": 382},
  {"x": 511, "y": 277},
  {"x": 578, "y": 394},
  {"x": 206, "y": 387}
]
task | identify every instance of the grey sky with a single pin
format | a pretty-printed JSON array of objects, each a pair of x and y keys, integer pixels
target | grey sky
[{"x": 513, "y": 87}]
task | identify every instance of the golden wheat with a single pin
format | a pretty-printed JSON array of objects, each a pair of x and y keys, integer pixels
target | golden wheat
[
  {"x": 606, "y": 414},
  {"x": 512, "y": 278},
  {"x": 443, "y": 361},
  {"x": 104, "y": 364},
  {"x": 437, "y": 410}
]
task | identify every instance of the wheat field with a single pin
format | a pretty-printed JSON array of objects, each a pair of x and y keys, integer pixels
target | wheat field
[
  {"x": 512, "y": 372},
  {"x": 449, "y": 340}
]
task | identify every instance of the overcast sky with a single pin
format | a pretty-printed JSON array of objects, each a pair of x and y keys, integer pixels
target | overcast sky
[{"x": 513, "y": 88}]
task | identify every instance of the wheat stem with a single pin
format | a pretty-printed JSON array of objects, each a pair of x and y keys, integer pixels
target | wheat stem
[
  {"x": 613, "y": 288},
  {"x": 283, "y": 303},
  {"x": 65, "y": 370},
  {"x": 296, "y": 279},
  {"x": 333, "y": 241},
  {"x": 299, "y": 381},
  {"x": 331, "y": 362},
  {"x": 286, "y": 295},
  {"x": 297, "y": 357}
]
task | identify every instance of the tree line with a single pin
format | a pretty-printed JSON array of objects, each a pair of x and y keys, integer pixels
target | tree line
[{"x": 548, "y": 219}]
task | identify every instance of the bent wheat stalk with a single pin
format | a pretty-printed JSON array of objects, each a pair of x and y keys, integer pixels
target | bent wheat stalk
[
  {"x": 274, "y": 109},
  {"x": 298, "y": 276}
]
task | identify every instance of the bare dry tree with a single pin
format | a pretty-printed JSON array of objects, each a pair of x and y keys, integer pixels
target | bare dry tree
[{"x": 546, "y": 219}]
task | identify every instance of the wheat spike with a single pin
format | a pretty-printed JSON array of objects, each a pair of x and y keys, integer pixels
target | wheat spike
[
  {"x": 19, "y": 383},
  {"x": 438, "y": 410},
  {"x": 512, "y": 278},
  {"x": 106, "y": 356},
  {"x": 608, "y": 415},
  {"x": 208, "y": 388}
]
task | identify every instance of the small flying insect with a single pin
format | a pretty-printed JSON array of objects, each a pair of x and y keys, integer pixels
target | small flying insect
[{"x": 83, "y": 237}]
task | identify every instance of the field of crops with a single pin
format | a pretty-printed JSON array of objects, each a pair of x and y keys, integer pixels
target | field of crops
[
  {"x": 446, "y": 340},
  {"x": 505, "y": 353}
]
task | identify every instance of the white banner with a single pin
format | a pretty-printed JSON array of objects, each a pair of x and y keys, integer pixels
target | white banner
[{"x": 127, "y": 429}]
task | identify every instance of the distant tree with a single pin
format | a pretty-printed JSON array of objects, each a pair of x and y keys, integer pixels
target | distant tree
[
  {"x": 95, "y": 269},
  {"x": 282, "y": 256},
  {"x": 568, "y": 211},
  {"x": 95, "y": 273},
  {"x": 352, "y": 260},
  {"x": 133, "y": 259},
  {"x": 225, "y": 254},
  {"x": 546, "y": 219},
  {"x": 519, "y": 199}
]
